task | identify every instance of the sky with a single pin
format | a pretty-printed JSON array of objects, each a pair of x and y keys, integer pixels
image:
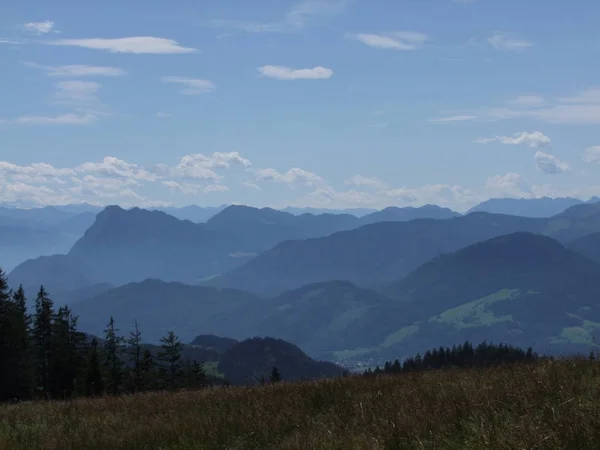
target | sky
[{"x": 322, "y": 103}]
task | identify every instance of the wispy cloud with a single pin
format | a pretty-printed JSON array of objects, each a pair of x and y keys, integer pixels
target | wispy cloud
[
  {"x": 550, "y": 164},
  {"x": 44, "y": 27},
  {"x": 295, "y": 19},
  {"x": 65, "y": 119},
  {"x": 592, "y": 154},
  {"x": 286, "y": 73},
  {"x": 360, "y": 180},
  {"x": 580, "y": 109},
  {"x": 535, "y": 139},
  {"x": 78, "y": 70},
  {"x": 397, "y": 40},
  {"x": 135, "y": 45},
  {"x": 456, "y": 118},
  {"x": 191, "y": 86},
  {"x": 500, "y": 41}
]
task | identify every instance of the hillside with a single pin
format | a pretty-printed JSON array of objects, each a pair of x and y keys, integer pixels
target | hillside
[
  {"x": 395, "y": 214},
  {"x": 246, "y": 362},
  {"x": 159, "y": 306},
  {"x": 544, "y": 405},
  {"x": 526, "y": 207},
  {"x": 588, "y": 245},
  {"x": 368, "y": 256},
  {"x": 322, "y": 317},
  {"x": 523, "y": 289}
]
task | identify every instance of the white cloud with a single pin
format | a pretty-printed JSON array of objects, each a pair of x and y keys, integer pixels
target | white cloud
[
  {"x": 359, "y": 180},
  {"x": 397, "y": 40},
  {"x": 592, "y": 154},
  {"x": 581, "y": 109},
  {"x": 135, "y": 45},
  {"x": 163, "y": 115},
  {"x": 457, "y": 118},
  {"x": 533, "y": 140},
  {"x": 508, "y": 185},
  {"x": 294, "y": 175},
  {"x": 295, "y": 19},
  {"x": 530, "y": 100},
  {"x": 500, "y": 41},
  {"x": 64, "y": 119},
  {"x": 186, "y": 188},
  {"x": 39, "y": 27},
  {"x": 116, "y": 168},
  {"x": 76, "y": 91},
  {"x": 286, "y": 73},
  {"x": 550, "y": 164},
  {"x": 78, "y": 70},
  {"x": 191, "y": 86},
  {"x": 198, "y": 166},
  {"x": 215, "y": 188}
]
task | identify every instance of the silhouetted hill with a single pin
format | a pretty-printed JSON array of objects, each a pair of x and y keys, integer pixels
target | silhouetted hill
[
  {"x": 588, "y": 245},
  {"x": 216, "y": 343},
  {"x": 395, "y": 214},
  {"x": 247, "y": 361},
  {"x": 526, "y": 207},
  {"x": 159, "y": 306}
]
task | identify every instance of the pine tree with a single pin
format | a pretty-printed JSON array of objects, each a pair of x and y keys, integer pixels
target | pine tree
[
  {"x": 42, "y": 335},
  {"x": 93, "y": 384},
  {"x": 170, "y": 356},
  {"x": 275, "y": 376},
  {"x": 194, "y": 374},
  {"x": 22, "y": 346},
  {"x": 148, "y": 373},
  {"x": 135, "y": 355},
  {"x": 113, "y": 347},
  {"x": 6, "y": 338}
]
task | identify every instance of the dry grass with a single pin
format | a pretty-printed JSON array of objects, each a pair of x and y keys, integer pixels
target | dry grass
[{"x": 540, "y": 406}]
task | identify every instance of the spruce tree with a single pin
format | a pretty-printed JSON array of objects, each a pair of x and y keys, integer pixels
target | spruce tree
[
  {"x": 170, "y": 357},
  {"x": 275, "y": 376},
  {"x": 135, "y": 356},
  {"x": 22, "y": 346},
  {"x": 93, "y": 384},
  {"x": 113, "y": 347},
  {"x": 148, "y": 372},
  {"x": 6, "y": 338},
  {"x": 42, "y": 339}
]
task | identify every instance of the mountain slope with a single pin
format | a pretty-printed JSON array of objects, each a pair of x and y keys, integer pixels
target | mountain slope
[
  {"x": 370, "y": 255},
  {"x": 395, "y": 214},
  {"x": 321, "y": 317},
  {"x": 526, "y": 207},
  {"x": 523, "y": 289},
  {"x": 588, "y": 245},
  {"x": 247, "y": 361},
  {"x": 159, "y": 306}
]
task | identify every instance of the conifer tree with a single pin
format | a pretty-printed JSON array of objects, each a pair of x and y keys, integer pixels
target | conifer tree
[
  {"x": 93, "y": 384},
  {"x": 42, "y": 335},
  {"x": 113, "y": 347},
  {"x": 6, "y": 339},
  {"x": 22, "y": 348},
  {"x": 135, "y": 356},
  {"x": 170, "y": 357},
  {"x": 275, "y": 376},
  {"x": 148, "y": 372}
]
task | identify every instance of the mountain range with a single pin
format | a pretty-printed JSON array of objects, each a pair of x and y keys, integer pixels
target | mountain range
[{"x": 123, "y": 246}]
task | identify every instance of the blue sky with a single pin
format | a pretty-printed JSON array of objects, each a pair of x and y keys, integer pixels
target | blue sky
[{"x": 324, "y": 103}]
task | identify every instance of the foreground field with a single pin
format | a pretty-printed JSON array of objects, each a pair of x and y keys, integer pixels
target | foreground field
[{"x": 543, "y": 406}]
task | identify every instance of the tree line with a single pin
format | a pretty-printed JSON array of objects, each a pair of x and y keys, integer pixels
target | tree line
[
  {"x": 464, "y": 356},
  {"x": 44, "y": 355}
]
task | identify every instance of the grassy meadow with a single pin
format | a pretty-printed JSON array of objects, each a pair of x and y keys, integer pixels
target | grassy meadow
[{"x": 546, "y": 405}]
